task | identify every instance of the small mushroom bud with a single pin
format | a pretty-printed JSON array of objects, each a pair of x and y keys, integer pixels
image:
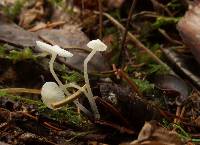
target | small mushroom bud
[{"x": 51, "y": 93}]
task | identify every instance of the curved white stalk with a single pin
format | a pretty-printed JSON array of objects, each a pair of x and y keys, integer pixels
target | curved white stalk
[
  {"x": 88, "y": 88},
  {"x": 51, "y": 62},
  {"x": 76, "y": 102},
  {"x": 82, "y": 108},
  {"x": 78, "y": 87},
  {"x": 51, "y": 67}
]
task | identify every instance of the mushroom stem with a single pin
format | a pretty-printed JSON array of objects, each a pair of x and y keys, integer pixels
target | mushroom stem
[
  {"x": 82, "y": 89},
  {"x": 76, "y": 102},
  {"x": 51, "y": 62},
  {"x": 82, "y": 108},
  {"x": 88, "y": 88}
]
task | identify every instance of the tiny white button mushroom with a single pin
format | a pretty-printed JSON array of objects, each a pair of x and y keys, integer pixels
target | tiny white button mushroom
[
  {"x": 54, "y": 50},
  {"x": 95, "y": 45},
  {"x": 51, "y": 93}
]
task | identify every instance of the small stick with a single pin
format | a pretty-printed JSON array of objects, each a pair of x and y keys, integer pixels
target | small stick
[
  {"x": 36, "y": 119},
  {"x": 163, "y": 32},
  {"x": 125, "y": 33},
  {"x": 21, "y": 90},
  {"x": 115, "y": 126},
  {"x": 178, "y": 111},
  {"x": 48, "y": 25},
  {"x": 132, "y": 83},
  {"x": 159, "y": 5},
  {"x": 100, "y": 19},
  {"x": 134, "y": 39},
  {"x": 82, "y": 8},
  {"x": 182, "y": 113},
  {"x": 112, "y": 110},
  {"x": 68, "y": 99},
  {"x": 115, "y": 70}
]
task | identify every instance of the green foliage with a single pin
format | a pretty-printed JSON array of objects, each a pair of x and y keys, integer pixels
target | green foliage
[
  {"x": 116, "y": 14},
  {"x": 14, "y": 10},
  {"x": 166, "y": 124},
  {"x": 157, "y": 69},
  {"x": 74, "y": 76},
  {"x": 142, "y": 57},
  {"x": 174, "y": 5},
  {"x": 146, "y": 31},
  {"x": 21, "y": 55},
  {"x": 3, "y": 94},
  {"x": 144, "y": 85},
  {"x": 19, "y": 98},
  {"x": 184, "y": 135},
  {"x": 163, "y": 21},
  {"x": 65, "y": 114},
  {"x": 2, "y": 51}
]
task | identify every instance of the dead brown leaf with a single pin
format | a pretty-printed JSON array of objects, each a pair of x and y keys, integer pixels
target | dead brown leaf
[
  {"x": 70, "y": 37},
  {"x": 29, "y": 15},
  {"x": 153, "y": 134}
]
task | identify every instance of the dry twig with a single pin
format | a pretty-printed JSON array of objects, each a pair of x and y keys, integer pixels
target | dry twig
[{"x": 134, "y": 39}]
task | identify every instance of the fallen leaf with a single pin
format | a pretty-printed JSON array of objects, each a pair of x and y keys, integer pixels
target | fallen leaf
[
  {"x": 14, "y": 35},
  {"x": 173, "y": 85},
  {"x": 153, "y": 134},
  {"x": 28, "y": 15},
  {"x": 185, "y": 64},
  {"x": 70, "y": 38}
]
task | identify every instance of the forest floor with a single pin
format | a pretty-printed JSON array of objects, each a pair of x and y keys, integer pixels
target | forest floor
[{"x": 145, "y": 84}]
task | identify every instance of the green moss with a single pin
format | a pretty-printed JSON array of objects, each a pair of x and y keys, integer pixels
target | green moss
[
  {"x": 73, "y": 76},
  {"x": 2, "y": 51},
  {"x": 144, "y": 85},
  {"x": 157, "y": 69},
  {"x": 163, "y": 21},
  {"x": 174, "y": 5},
  {"x": 14, "y": 10},
  {"x": 67, "y": 114},
  {"x": 21, "y": 55}
]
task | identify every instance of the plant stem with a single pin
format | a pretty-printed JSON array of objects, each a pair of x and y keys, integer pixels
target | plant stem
[
  {"x": 134, "y": 39},
  {"x": 88, "y": 88},
  {"x": 100, "y": 19},
  {"x": 120, "y": 60}
]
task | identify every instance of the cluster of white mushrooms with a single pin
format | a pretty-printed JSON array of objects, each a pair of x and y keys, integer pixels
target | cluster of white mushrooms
[{"x": 54, "y": 92}]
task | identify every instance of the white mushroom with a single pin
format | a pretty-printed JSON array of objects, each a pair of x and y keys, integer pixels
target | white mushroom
[
  {"x": 54, "y": 51},
  {"x": 95, "y": 45},
  {"x": 51, "y": 93},
  {"x": 47, "y": 89}
]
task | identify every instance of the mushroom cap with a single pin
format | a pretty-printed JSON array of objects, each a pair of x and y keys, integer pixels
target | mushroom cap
[
  {"x": 51, "y": 93},
  {"x": 97, "y": 45},
  {"x": 53, "y": 49}
]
